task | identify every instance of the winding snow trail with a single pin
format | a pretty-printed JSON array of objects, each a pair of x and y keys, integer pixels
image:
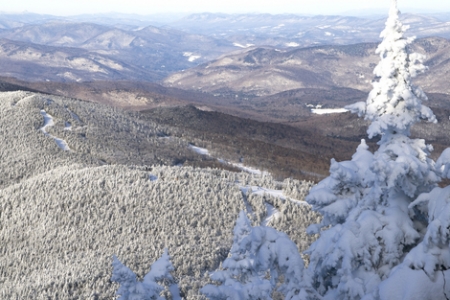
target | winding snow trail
[
  {"x": 272, "y": 212},
  {"x": 48, "y": 122},
  {"x": 204, "y": 151},
  {"x": 276, "y": 193}
]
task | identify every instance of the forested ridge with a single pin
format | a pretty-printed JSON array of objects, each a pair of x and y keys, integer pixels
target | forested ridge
[{"x": 65, "y": 213}]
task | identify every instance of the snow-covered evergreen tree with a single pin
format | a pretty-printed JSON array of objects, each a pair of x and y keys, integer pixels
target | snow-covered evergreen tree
[
  {"x": 368, "y": 226},
  {"x": 160, "y": 272},
  {"x": 425, "y": 271},
  {"x": 395, "y": 104},
  {"x": 258, "y": 259},
  {"x": 132, "y": 289}
]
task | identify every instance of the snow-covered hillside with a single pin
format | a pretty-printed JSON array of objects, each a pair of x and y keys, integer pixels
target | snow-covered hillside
[
  {"x": 67, "y": 211},
  {"x": 64, "y": 225},
  {"x": 34, "y": 129}
]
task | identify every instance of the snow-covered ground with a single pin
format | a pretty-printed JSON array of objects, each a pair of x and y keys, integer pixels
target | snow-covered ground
[
  {"x": 204, "y": 151},
  {"x": 191, "y": 56},
  {"x": 248, "y": 169},
  {"x": 276, "y": 193},
  {"x": 48, "y": 122},
  {"x": 272, "y": 212},
  {"x": 242, "y": 46},
  {"x": 323, "y": 111},
  {"x": 251, "y": 170},
  {"x": 292, "y": 44}
]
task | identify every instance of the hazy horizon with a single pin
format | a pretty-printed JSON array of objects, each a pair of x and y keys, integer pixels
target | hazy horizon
[{"x": 140, "y": 7}]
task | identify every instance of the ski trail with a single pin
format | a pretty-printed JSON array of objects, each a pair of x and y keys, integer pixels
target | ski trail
[
  {"x": 48, "y": 122},
  {"x": 248, "y": 207},
  {"x": 272, "y": 213},
  {"x": 201, "y": 151},
  {"x": 277, "y": 193},
  {"x": 204, "y": 151}
]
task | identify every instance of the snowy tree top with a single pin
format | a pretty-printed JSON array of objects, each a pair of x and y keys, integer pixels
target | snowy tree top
[
  {"x": 149, "y": 289},
  {"x": 395, "y": 104}
]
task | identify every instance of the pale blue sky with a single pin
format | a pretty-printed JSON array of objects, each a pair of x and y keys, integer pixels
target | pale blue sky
[{"x": 65, "y": 7}]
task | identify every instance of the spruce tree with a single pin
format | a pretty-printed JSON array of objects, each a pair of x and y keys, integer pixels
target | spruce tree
[
  {"x": 259, "y": 258},
  {"x": 149, "y": 289},
  {"x": 368, "y": 226}
]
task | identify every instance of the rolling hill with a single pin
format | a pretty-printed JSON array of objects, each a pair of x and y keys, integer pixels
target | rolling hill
[{"x": 266, "y": 71}]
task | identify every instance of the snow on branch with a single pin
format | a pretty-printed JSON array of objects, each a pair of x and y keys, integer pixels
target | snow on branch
[
  {"x": 424, "y": 273},
  {"x": 259, "y": 258},
  {"x": 132, "y": 289}
]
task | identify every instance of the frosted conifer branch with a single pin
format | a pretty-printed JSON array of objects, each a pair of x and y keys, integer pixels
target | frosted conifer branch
[{"x": 132, "y": 289}]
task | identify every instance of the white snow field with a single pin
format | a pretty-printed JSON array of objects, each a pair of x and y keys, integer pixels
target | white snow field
[
  {"x": 325, "y": 111},
  {"x": 242, "y": 46},
  {"x": 191, "y": 56}
]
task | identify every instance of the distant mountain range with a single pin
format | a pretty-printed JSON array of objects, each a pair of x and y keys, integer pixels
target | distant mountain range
[
  {"x": 259, "y": 71},
  {"x": 128, "y": 47},
  {"x": 149, "y": 53}
]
